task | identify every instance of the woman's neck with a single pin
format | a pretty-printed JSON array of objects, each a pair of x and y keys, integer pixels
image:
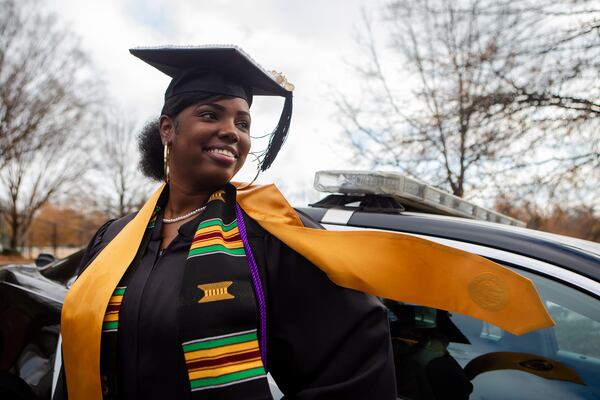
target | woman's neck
[{"x": 182, "y": 199}]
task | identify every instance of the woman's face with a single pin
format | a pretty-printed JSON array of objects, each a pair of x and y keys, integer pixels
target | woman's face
[{"x": 208, "y": 142}]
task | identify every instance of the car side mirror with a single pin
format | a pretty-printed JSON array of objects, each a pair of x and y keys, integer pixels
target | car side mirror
[{"x": 44, "y": 259}]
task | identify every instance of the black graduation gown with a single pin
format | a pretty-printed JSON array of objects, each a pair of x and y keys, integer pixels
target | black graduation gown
[{"x": 323, "y": 341}]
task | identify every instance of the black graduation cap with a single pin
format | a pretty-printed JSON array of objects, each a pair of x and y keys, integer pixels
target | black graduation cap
[{"x": 222, "y": 70}]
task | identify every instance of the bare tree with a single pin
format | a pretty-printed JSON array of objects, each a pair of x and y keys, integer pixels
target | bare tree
[
  {"x": 123, "y": 189},
  {"x": 42, "y": 88},
  {"x": 45, "y": 99},
  {"x": 554, "y": 81},
  {"x": 456, "y": 96},
  {"x": 32, "y": 179}
]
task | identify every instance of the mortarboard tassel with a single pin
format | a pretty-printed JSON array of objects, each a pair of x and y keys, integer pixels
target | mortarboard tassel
[{"x": 279, "y": 134}]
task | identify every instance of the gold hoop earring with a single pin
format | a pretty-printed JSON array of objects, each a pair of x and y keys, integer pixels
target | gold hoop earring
[{"x": 166, "y": 161}]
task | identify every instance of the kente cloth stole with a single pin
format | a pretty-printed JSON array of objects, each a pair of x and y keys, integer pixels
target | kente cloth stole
[
  {"x": 221, "y": 311},
  {"x": 110, "y": 323}
]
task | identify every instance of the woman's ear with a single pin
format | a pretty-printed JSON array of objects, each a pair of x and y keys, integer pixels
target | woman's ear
[{"x": 166, "y": 127}]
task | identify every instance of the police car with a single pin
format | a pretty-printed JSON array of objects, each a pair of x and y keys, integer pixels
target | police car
[{"x": 438, "y": 355}]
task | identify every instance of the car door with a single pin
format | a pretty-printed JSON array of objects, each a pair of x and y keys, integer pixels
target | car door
[{"x": 456, "y": 356}]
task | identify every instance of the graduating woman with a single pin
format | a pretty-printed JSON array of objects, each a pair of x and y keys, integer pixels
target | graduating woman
[
  {"x": 200, "y": 311},
  {"x": 210, "y": 286}
]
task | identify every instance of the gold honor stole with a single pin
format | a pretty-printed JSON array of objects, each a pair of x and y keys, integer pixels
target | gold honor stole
[{"x": 385, "y": 264}]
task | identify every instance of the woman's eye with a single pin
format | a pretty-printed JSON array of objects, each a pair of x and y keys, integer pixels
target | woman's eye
[
  {"x": 245, "y": 125},
  {"x": 208, "y": 115}
]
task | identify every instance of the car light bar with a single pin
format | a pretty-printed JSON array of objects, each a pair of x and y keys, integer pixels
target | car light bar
[{"x": 408, "y": 191}]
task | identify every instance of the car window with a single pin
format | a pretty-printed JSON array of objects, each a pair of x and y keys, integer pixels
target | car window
[
  {"x": 441, "y": 355},
  {"x": 575, "y": 333}
]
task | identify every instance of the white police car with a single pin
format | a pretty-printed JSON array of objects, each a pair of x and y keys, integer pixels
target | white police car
[{"x": 439, "y": 355}]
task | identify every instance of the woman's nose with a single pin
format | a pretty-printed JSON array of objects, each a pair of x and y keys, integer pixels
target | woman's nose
[{"x": 228, "y": 130}]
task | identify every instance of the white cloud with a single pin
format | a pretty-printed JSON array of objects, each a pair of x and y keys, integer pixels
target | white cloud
[{"x": 308, "y": 41}]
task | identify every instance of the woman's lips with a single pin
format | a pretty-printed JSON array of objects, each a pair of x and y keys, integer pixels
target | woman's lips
[{"x": 222, "y": 157}]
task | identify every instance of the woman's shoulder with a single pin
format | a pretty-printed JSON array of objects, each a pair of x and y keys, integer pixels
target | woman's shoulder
[
  {"x": 103, "y": 236},
  {"x": 267, "y": 202},
  {"x": 114, "y": 226},
  {"x": 110, "y": 229}
]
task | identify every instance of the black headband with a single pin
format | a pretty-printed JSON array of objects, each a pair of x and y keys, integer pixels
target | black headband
[{"x": 207, "y": 82}]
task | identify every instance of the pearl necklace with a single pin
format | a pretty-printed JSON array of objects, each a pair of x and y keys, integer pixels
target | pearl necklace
[{"x": 181, "y": 218}]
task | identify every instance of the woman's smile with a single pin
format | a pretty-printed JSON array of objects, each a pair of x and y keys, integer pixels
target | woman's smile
[{"x": 222, "y": 154}]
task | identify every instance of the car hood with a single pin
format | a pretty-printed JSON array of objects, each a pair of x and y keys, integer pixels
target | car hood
[{"x": 27, "y": 281}]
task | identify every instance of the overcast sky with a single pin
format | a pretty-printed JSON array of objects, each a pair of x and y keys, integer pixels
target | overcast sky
[{"x": 308, "y": 41}]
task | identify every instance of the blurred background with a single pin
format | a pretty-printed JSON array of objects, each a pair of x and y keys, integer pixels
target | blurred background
[{"x": 494, "y": 101}]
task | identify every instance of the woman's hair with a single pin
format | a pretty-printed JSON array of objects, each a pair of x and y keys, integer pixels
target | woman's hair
[{"x": 149, "y": 142}]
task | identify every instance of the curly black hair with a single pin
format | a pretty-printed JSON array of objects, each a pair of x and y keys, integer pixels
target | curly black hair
[
  {"x": 151, "y": 151},
  {"x": 149, "y": 142}
]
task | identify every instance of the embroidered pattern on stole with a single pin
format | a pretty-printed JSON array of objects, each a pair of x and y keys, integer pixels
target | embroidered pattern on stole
[
  {"x": 223, "y": 360},
  {"x": 111, "y": 318},
  {"x": 216, "y": 291},
  {"x": 218, "y": 195},
  {"x": 213, "y": 236}
]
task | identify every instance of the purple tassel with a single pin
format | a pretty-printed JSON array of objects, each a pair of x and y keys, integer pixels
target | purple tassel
[{"x": 256, "y": 283}]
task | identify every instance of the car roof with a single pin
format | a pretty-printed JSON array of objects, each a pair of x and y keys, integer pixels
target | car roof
[
  {"x": 583, "y": 245},
  {"x": 577, "y": 255}
]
